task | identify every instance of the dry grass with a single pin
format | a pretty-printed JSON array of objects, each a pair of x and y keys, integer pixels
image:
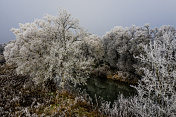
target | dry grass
[{"x": 20, "y": 97}]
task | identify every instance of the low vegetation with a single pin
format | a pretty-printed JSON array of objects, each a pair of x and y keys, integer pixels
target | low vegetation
[{"x": 20, "y": 97}]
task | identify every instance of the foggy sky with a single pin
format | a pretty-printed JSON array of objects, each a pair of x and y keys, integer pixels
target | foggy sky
[{"x": 97, "y": 16}]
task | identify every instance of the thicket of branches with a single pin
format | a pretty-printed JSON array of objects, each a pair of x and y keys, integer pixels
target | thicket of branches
[{"x": 157, "y": 88}]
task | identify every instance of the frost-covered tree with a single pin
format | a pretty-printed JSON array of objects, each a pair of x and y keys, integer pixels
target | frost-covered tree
[
  {"x": 121, "y": 44},
  {"x": 53, "y": 48},
  {"x": 157, "y": 89}
]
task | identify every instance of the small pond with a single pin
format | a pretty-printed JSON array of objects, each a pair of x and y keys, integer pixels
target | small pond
[{"x": 107, "y": 89}]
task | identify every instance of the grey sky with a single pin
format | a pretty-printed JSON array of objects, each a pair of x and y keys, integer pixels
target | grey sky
[{"x": 97, "y": 16}]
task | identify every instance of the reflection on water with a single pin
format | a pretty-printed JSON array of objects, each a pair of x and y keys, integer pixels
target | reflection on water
[{"x": 108, "y": 89}]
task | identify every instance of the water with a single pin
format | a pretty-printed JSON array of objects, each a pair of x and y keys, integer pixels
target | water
[{"x": 107, "y": 89}]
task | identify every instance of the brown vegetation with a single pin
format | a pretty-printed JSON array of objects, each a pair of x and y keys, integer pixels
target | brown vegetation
[
  {"x": 106, "y": 72},
  {"x": 20, "y": 97}
]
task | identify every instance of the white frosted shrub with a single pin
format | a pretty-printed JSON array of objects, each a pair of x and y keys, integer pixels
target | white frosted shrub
[
  {"x": 8, "y": 52},
  {"x": 121, "y": 44},
  {"x": 157, "y": 89},
  {"x": 95, "y": 46},
  {"x": 51, "y": 48},
  {"x": 120, "y": 108}
]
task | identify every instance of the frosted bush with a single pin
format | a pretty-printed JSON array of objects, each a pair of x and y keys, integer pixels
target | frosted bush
[
  {"x": 94, "y": 47},
  {"x": 53, "y": 48},
  {"x": 157, "y": 89},
  {"x": 121, "y": 44},
  {"x": 119, "y": 108}
]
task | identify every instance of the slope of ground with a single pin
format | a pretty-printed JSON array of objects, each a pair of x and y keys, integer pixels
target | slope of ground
[{"x": 20, "y": 97}]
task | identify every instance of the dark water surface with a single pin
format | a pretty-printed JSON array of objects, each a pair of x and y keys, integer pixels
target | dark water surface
[{"x": 107, "y": 89}]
